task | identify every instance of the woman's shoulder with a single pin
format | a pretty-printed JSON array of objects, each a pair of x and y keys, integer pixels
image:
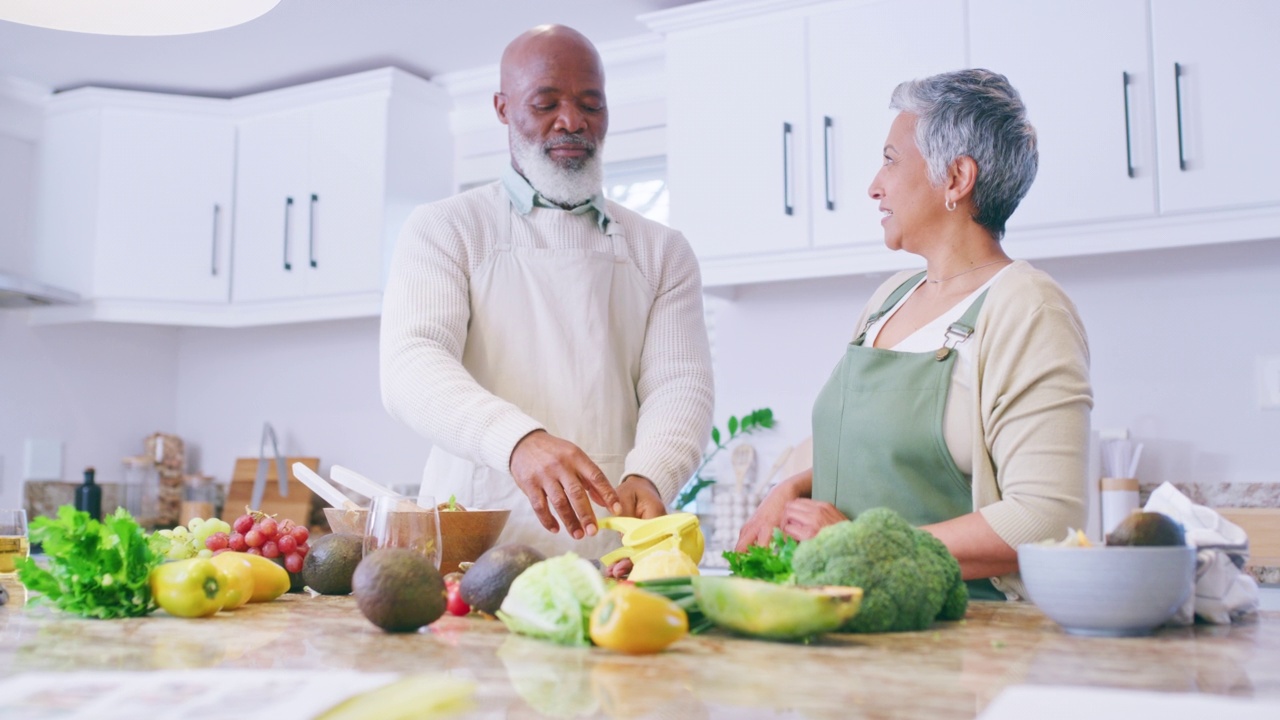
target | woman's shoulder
[{"x": 1030, "y": 287}]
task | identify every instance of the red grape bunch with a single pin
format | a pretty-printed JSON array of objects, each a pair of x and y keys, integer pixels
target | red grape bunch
[{"x": 257, "y": 533}]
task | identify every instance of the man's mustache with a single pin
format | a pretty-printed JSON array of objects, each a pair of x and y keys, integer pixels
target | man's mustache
[{"x": 569, "y": 141}]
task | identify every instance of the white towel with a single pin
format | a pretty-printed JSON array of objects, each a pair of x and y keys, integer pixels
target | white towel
[{"x": 1222, "y": 591}]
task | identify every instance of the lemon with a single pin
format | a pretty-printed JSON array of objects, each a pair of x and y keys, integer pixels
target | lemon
[{"x": 665, "y": 563}]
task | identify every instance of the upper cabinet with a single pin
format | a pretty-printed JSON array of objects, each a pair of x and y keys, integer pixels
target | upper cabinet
[
  {"x": 1145, "y": 113},
  {"x": 135, "y": 198},
  {"x": 776, "y": 122},
  {"x": 1214, "y": 66},
  {"x": 309, "y": 208},
  {"x": 737, "y": 141},
  {"x": 857, "y": 56},
  {"x": 1093, "y": 114},
  {"x": 277, "y": 207}
]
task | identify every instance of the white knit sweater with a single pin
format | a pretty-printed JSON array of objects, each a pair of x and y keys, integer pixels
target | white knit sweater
[{"x": 426, "y": 310}]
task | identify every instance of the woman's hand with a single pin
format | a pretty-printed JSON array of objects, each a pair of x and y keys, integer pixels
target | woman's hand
[
  {"x": 759, "y": 529},
  {"x": 803, "y": 518}
]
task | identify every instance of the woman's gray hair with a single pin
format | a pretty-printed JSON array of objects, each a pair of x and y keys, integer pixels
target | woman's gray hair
[{"x": 974, "y": 113}]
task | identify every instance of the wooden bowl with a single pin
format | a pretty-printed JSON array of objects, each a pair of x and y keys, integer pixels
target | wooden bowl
[{"x": 464, "y": 534}]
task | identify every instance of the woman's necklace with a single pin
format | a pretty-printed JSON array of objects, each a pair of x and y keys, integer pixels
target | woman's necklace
[{"x": 965, "y": 272}]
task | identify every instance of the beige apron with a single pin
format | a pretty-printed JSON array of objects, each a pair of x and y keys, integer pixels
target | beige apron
[{"x": 558, "y": 333}]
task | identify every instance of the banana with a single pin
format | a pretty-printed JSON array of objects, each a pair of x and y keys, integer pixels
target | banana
[
  {"x": 640, "y": 537},
  {"x": 409, "y": 698}
]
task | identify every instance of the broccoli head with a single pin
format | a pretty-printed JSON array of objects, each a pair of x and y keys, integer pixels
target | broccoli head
[{"x": 907, "y": 576}]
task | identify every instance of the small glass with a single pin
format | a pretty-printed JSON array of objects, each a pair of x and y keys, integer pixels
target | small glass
[
  {"x": 398, "y": 521},
  {"x": 13, "y": 540}
]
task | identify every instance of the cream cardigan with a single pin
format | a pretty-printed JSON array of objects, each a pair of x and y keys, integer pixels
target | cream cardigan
[{"x": 1032, "y": 403}]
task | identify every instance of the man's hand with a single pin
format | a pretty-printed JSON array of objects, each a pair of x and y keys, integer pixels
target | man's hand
[
  {"x": 640, "y": 498},
  {"x": 555, "y": 473},
  {"x": 803, "y": 518}
]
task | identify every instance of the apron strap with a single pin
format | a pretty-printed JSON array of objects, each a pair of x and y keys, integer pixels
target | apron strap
[
  {"x": 618, "y": 239},
  {"x": 960, "y": 330},
  {"x": 889, "y": 302},
  {"x": 508, "y": 209}
]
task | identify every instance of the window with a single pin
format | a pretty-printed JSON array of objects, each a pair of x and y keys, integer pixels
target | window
[{"x": 640, "y": 185}]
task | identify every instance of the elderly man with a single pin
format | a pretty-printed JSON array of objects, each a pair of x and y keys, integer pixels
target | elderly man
[{"x": 550, "y": 343}]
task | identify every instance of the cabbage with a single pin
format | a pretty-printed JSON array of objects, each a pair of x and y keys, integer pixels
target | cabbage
[{"x": 553, "y": 599}]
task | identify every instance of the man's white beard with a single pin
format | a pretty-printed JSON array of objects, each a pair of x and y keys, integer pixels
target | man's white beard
[{"x": 566, "y": 186}]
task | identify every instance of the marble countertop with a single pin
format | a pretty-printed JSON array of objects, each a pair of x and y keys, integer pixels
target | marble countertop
[{"x": 952, "y": 671}]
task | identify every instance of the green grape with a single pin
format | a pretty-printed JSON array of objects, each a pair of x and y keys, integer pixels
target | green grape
[{"x": 205, "y": 553}]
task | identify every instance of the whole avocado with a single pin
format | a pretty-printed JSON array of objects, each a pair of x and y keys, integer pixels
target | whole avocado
[
  {"x": 1147, "y": 528},
  {"x": 485, "y": 585},
  {"x": 398, "y": 589},
  {"x": 332, "y": 562}
]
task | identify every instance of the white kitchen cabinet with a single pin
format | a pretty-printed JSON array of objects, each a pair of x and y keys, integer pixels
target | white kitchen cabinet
[
  {"x": 1092, "y": 113},
  {"x": 309, "y": 219},
  {"x": 135, "y": 198},
  {"x": 1216, "y": 102},
  {"x": 137, "y": 211},
  {"x": 776, "y": 124},
  {"x": 737, "y": 137},
  {"x": 857, "y": 56}
]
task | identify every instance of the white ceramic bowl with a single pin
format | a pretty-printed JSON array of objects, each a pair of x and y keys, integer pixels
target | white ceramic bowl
[{"x": 1111, "y": 591}]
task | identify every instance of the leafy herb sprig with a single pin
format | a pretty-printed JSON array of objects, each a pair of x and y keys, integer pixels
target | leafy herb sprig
[
  {"x": 761, "y": 419},
  {"x": 772, "y": 563},
  {"x": 95, "y": 569}
]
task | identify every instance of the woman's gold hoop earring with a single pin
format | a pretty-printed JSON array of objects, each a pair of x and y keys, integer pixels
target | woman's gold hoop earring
[{"x": 951, "y": 204}]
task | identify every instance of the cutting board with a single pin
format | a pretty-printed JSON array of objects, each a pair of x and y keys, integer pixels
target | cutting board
[
  {"x": 1263, "y": 527},
  {"x": 297, "y": 506}
]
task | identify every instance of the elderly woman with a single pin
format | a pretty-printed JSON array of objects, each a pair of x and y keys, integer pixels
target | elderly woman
[{"x": 963, "y": 403}]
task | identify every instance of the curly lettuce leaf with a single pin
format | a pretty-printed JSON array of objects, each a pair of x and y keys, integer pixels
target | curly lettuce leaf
[
  {"x": 772, "y": 563},
  {"x": 553, "y": 600},
  {"x": 95, "y": 569}
]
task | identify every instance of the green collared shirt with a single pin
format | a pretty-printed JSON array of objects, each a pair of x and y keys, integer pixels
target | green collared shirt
[{"x": 524, "y": 198}]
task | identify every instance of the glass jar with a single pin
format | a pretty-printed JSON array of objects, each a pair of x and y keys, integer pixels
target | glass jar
[
  {"x": 199, "y": 498},
  {"x": 142, "y": 489}
]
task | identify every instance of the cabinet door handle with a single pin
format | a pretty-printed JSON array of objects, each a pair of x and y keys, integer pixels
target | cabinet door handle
[
  {"x": 1128, "y": 141},
  {"x": 213, "y": 260},
  {"x": 288, "y": 210},
  {"x": 826, "y": 162},
  {"x": 786, "y": 169},
  {"x": 311, "y": 230},
  {"x": 1177, "y": 95}
]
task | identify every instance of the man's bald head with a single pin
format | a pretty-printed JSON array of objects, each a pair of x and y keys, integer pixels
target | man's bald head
[
  {"x": 552, "y": 101},
  {"x": 553, "y": 45}
]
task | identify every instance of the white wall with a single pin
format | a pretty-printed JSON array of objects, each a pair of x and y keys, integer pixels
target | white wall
[
  {"x": 1174, "y": 336},
  {"x": 17, "y": 190},
  {"x": 316, "y": 383},
  {"x": 100, "y": 389}
]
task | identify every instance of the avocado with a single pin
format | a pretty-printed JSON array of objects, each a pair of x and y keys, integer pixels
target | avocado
[
  {"x": 295, "y": 579},
  {"x": 485, "y": 585},
  {"x": 1147, "y": 528},
  {"x": 776, "y": 612},
  {"x": 398, "y": 589},
  {"x": 331, "y": 562}
]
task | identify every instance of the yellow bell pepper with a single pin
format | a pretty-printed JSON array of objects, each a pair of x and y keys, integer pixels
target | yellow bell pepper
[
  {"x": 270, "y": 581},
  {"x": 240, "y": 582},
  {"x": 189, "y": 588},
  {"x": 633, "y": 621}
]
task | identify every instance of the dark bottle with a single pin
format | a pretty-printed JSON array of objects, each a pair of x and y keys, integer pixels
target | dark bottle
[{"x": 89, "y": 496}]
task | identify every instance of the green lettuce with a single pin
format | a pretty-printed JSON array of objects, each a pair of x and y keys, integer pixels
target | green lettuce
[
  {"x": 553, "y": 600},
  {"x": 95, "y": 569}
]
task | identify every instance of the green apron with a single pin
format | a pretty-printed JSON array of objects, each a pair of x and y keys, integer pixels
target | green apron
[{"x": 877, "y": 431}]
